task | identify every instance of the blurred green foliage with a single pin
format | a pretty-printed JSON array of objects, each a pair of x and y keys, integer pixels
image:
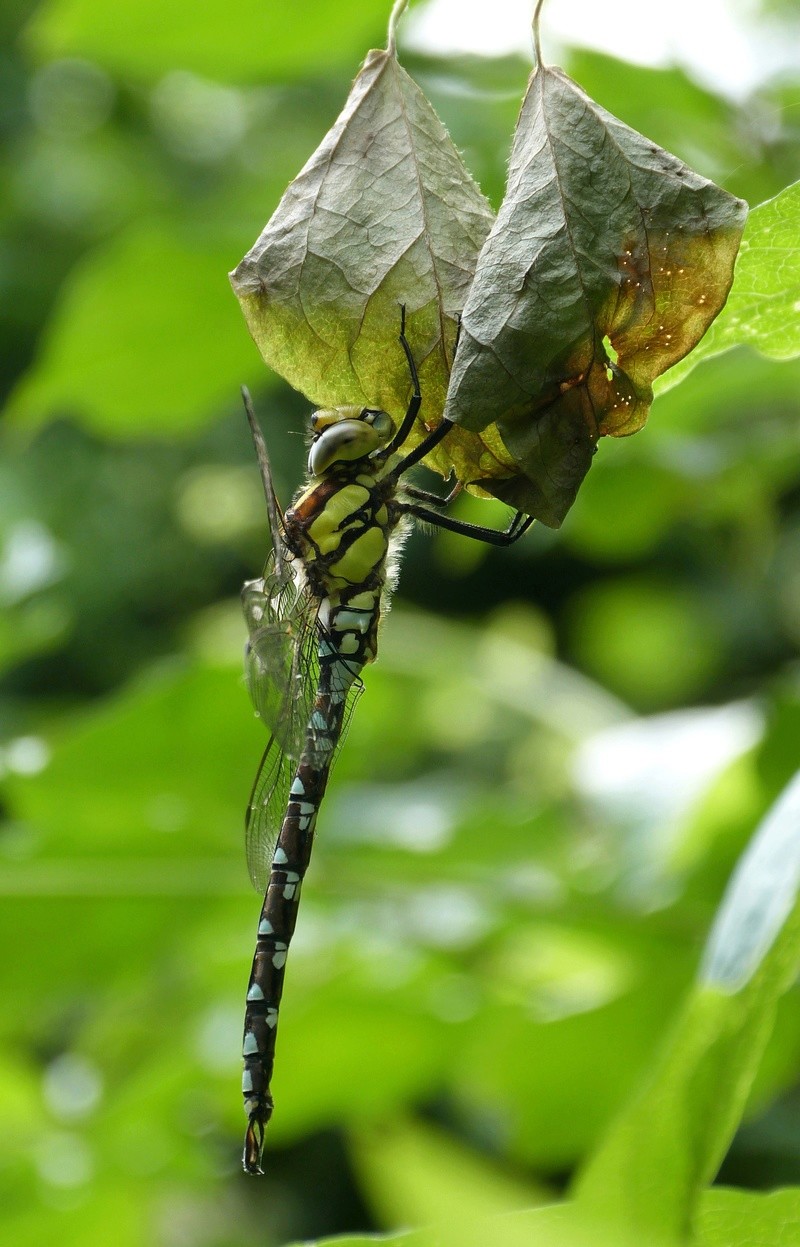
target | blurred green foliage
[{"x": 560, "y": 755}]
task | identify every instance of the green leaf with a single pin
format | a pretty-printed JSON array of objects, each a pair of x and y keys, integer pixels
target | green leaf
[
  {"x": 759, "y": 899},
  {"x": 234, "y": 40},
  {"x": 763, "y": 310},
  {"x": 556, "y": 1225},
  {"x": 142, "y": 339},
  {"x": 748, "y": 1219},
  {"x": 727, "y": 1218},
  {"x": 608, "y": 261},
  {"x": 669, "y": 1142},
  {"x": 336, "y": 1025},
  {"x": 171, "y": 752},
  {"x": 383, "y": 214},
  {"x": 556, "y": 1084},
  {"x": 416, "y": 1174}
]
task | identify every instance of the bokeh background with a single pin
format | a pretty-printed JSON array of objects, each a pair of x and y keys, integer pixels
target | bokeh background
[{"x": 560, "y": 753}]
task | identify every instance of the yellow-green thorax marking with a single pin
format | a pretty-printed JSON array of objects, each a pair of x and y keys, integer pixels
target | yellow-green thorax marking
[{"x": 340, "y": 526}]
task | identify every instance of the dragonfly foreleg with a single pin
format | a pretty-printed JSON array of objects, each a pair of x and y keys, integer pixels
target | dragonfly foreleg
[
  {"x": 401, "y": 436},
  {"x": 415, "y": 401},
  {"x": 424, "y": 448}
]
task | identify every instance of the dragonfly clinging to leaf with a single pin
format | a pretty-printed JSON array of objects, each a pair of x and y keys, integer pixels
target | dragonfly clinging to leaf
[{"x": 313, "y": 625}]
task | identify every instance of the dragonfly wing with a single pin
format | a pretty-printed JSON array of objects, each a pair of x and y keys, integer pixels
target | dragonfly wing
[
  {"x": 279, "y": 611},
  {"x": 265, "y": 811},
  {"x": 356, "y": 689},
  {"x": 270, "y": 795},
  {"x": 282, "y": 669},
  {"x": 281, "y": 663}
]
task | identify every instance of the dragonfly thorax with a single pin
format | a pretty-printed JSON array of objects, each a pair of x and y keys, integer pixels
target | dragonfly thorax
[
  {"x": 345, "y": 434},
  {"x": 344, "y": 525}
]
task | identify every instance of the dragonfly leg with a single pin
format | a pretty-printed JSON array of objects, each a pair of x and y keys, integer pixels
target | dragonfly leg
[
  {"x": 425, "y": 495},
  {"x": 416, "y": 394},
  {"x": 401, "y": 436},
  {"x": 424, "y": 448},
  {"x": 519, "y": 525}
]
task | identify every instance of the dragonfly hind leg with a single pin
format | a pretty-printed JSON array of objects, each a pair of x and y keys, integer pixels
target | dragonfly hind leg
[
  {"x": 418, "y": 508},
  {"x": 492, "y": 536}
]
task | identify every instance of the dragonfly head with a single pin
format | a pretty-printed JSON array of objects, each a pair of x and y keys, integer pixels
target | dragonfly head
[{"x": 345, "y": 434}]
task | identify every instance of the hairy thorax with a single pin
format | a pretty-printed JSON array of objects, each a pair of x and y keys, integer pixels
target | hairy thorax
[{"x": 340, "y": 526}]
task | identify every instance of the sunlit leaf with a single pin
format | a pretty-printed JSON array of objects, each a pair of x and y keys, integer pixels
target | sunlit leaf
[
  {"x": 669, "y": 1142},
  {"x": 556, "y": 1225},
  {"x": 760, "y": 898},
  {"x": 383, "y": 214},
  {"x": 748, "y": 1218},
  {"x": 763, "y": 310},
  {"x": 608, "y": 261}
]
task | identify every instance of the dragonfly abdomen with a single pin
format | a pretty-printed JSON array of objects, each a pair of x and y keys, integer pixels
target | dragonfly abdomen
[
  {"x": 338, "y": 672},
  {"x": 275, "y": 930}
]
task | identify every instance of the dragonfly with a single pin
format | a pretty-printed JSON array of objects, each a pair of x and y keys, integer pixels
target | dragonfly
[{"x": 312, "y": 621}]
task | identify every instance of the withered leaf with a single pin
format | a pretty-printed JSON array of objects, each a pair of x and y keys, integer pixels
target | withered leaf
[
  {"x": 608, "y": 261},
  {"x": 763, "y": 310},
  {"x": 384, "y": 213}
]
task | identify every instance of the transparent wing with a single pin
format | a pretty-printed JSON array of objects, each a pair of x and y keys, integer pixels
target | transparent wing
[
  {"x": 352, "y": 697},
  {"x": 282, "y": 671},
  {"x": 281, "y": 656},
  {"x": 265, "y": 811},
  {"x": 281, "y": 624},
  {"x": 270, "y": 796}
]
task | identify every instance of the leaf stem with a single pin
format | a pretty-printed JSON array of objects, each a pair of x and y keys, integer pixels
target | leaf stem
[
  {"x": 391, "y": 34},
  {"x": 537, "y": 42}
]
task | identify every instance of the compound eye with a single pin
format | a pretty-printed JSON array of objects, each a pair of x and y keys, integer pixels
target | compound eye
[
  {"x": 342, "y": 442},
  {"x": 324, "y": 417},
  {"x": 380, "y": 422}
]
